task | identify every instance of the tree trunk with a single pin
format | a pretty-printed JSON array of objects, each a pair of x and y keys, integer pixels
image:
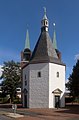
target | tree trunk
[{"x": 11, "y": 98}]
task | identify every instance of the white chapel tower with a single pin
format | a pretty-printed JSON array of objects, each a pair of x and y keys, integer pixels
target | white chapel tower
[{"x": 44, "y": 74}]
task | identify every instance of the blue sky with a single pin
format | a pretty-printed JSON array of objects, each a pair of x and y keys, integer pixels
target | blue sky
[{"x": 16, "y": 15}]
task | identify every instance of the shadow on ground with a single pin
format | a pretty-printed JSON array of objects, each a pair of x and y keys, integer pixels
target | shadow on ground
[{"x": 71, "y": 109}]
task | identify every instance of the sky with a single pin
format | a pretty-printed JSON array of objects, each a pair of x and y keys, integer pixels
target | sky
[{"x": 16, "y": 16}]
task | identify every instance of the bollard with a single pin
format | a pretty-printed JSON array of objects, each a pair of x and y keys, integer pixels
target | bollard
[{"x": 14, "y": 107}]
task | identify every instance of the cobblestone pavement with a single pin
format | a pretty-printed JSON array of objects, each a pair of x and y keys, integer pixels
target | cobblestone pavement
[
  {"x": 51, "y": 114},
  {"x": 2, "y": 117},
  {"x": 69, "y": 113}
]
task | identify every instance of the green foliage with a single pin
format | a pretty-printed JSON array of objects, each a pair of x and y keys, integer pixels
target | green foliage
[
  {"x": 73, "y": 84},
  {"x": 76, "y": 99},
  {"x": 11, "y": 78},
  {"x": 4, "y": 99},
  {"x": 17, "y": 100},
  {"x": 68, "y": 99}
]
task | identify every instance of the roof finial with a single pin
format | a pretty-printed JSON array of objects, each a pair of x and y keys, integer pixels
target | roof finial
[
  {"x": 45, "y": 17},
  {"x": 44, "y": 10}
]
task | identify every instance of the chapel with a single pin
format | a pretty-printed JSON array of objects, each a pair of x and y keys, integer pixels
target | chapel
[{"x": 43, "y": 72}]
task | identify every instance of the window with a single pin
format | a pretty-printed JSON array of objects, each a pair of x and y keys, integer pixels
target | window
[
  {"x": 46, "y": 22},
  {"x": 25, "y": 82},
  {"x": 18, "y": 89},
  {"x": 57, "y": 74},
  {"x": 39, "y": 74},
  {"x": 25, "y": 76}
]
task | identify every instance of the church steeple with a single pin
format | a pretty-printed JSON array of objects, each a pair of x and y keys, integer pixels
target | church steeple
[
  {"x": 44, "y": 50},
  {"x": 44, "y": 22},
  {"x": 54, "y": 38},
  {"x": 55, "y": 43},
  {"x": 26, "y": 53},
  {"x": 27, "y": 42}
]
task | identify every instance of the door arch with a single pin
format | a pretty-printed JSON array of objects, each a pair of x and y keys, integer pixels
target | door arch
[{"x": 57, "y": 94}]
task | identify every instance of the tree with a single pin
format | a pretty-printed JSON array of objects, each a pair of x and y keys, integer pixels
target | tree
[
  {"x": 73, "y": 83},
  {"x": 11, "y": 78}
]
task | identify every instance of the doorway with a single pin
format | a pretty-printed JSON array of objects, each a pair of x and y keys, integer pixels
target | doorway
[
  {"x": 57, "y": 101},
  {"x": 25, "y": 100}
]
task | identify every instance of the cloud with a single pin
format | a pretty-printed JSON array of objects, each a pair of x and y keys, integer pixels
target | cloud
[{"x": 77, "y": 57}]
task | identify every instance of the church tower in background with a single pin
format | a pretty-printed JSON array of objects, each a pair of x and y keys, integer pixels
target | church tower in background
[
  {"x": 55, "y": 43},
  {"x": 26, "y": 53}
]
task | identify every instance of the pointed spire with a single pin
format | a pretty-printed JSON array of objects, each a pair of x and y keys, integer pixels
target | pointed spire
[
  {"x": 54, "y": 38},
  {"x": 27, "y": 42},
  {"x": 45, "y": 17},
  {"x": 44, "y": 22}
]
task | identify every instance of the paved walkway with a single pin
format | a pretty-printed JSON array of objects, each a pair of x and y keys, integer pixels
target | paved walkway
[
  {"x": 14, "y": 115},
  {"x": 69, "y": 113},
  {"x": 50, "y": 114},
  {"x": 3, "y": 117}
]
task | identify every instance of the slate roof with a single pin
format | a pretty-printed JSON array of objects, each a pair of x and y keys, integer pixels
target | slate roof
[
  {"x": 44, "y": 51},
  {"x": 54, "y": 40}
]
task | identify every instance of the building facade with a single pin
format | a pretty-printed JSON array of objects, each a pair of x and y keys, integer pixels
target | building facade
[{"x": 43, "y": 76}]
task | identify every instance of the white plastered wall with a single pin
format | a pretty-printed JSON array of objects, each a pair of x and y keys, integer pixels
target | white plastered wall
[
  {"x": 39, "y": 86},
  {"x": 56, "y": 83},
  {"x": 26, "y": 72}
]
